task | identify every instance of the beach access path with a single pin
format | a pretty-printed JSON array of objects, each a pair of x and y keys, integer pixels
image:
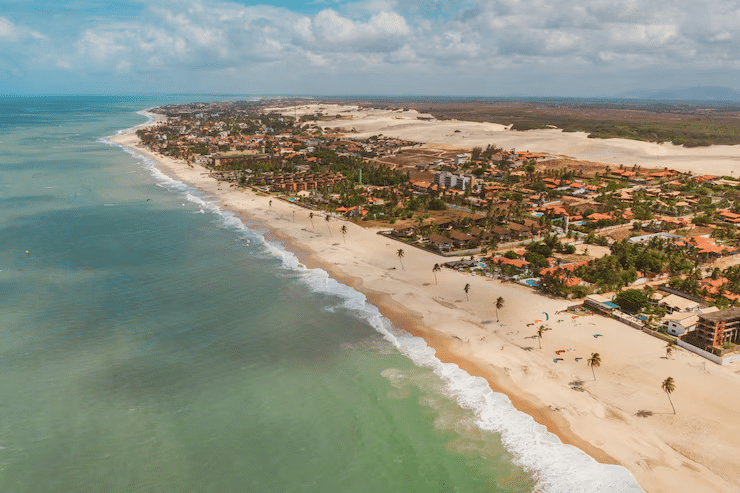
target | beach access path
[{"x": 622, "y": 417}]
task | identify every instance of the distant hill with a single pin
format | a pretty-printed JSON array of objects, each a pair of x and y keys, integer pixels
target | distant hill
[{"x": 698, "y": 93}]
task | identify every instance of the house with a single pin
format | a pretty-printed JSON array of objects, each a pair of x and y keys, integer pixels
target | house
[
  {"x": 500, "y": 233},
  {"x": 680, "y": 323},
  {"x": 514, "y": 262},
  {"x": 599, "y": 303},
  {"x": 403, "y": 231},
  {"x": 674, "y": 303},
  {"x": 441, "y": 243},
  {"x": 705, "y": 245},
  {"x": 460, "y": 239}
]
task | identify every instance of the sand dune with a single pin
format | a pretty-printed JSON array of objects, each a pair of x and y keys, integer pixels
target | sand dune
[{"x": 716, "y": 160}]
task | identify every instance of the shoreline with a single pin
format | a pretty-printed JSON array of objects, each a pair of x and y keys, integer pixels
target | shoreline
[{"x": 466, "y": 333}]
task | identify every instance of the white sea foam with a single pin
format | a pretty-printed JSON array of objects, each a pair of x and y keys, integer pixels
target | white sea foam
[{"x": 558, "y": 468}]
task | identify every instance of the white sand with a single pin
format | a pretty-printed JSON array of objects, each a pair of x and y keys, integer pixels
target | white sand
[
  {"x": 695, "y": 450},
  {"x": 714, "y": 160}
]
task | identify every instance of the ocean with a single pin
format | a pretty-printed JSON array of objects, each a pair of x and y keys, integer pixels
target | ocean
[{"x": 154, "y": 342}]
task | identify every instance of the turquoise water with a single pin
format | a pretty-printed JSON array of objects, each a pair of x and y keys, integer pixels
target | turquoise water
[{"x": 150, "y": 344}]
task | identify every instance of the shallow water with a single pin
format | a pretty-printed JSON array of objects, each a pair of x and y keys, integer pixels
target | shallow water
[{"x": 148, "y": 347}]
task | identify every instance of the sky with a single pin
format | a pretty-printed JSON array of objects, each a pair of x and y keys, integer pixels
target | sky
[{"x": 547, "y": 48}]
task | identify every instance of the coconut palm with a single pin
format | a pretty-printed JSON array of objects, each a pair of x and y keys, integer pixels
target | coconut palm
[
  {"x": 668, "y": 387},
  {"x": 594, "y": 362},
  {"x": 310, "y": 216},
  {"x": 499, "y": 305},
  {"x": 328, "y": 218},
  {"x": 343, "y": 230},
  {"x": 436, "y": 269},
  {"x": 669, "y": 349},
  {"x": 540, "y": 333},
  {"x": 399, "y": 254},
  {"x": 467, "y": 288}
]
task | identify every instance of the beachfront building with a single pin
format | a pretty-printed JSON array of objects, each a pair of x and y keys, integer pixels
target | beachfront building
[
  {"x": 441, "y": 243},
  {"x": 678, "y": 304},
  {"x": 680, "y": 323},
  {"x": 600, "y": 304},
  {"x": 714, "y": 330},
  {"x": 453, "y": 181}
]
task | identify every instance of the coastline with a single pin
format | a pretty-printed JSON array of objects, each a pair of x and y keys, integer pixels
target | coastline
[{"x": 601, "y": 421}]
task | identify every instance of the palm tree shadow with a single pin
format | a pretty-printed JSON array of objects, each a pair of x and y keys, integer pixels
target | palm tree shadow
[
  {"x": 528, "y": 348},
  {"x": 642, "y": 413},
  {"x": 578, "y": 383}
]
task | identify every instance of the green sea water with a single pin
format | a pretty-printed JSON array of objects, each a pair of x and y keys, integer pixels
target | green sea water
[{"x": 151, "y": 345}]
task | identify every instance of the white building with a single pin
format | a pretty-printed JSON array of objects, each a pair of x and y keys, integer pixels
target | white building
[
  {"x": 449, "y": 180},
  {"x": 461, "y": 159},
  {"x": 679, "y": 323}
]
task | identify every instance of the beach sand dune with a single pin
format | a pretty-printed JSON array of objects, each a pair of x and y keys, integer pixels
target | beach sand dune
[
  {"x": 407, "y": 125},
  {"x": 621, "y": 417}
]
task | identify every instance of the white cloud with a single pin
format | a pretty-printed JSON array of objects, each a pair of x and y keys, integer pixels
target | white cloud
[
  {"x": 413, "y": 39},
  {"x": 12, "y": 32}
]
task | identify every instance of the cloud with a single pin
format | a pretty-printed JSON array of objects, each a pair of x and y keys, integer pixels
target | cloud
[
  {"x": 12, "y": 32},
  {"x": 421, "y": 42}
]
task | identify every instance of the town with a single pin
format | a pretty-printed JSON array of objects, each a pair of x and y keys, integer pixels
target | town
[{"x": 653, "y": 248}]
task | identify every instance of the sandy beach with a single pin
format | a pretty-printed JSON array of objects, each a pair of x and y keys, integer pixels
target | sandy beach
[
  {"x": 407, "y": 125},
  {"x": 623, "y": 417}
]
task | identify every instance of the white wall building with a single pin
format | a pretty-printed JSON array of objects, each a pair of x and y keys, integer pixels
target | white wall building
[
  {"x": 679, "y": 323},
  {"x": 449, "y": 180}
]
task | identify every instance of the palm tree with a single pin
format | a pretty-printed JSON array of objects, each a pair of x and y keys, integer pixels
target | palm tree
[
  {"x": 343, "y": 230},
  {"x": 594, "y": 362},
  {"x": 399, "y": 254},
  {"x": 328, "y": 218},
  {"x": 668, "y": 387},
  {"x": 310, "y": 216},
  {"x": 467, "y": 288},
  {"x": 669, "y": 349},
  {"x": 540, "y": 332},
  {"x": 436, "y": 269},
  {"x": 499, "y": 305}
]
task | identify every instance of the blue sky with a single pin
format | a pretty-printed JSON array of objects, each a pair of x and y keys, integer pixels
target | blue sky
[{"x": 325, "y": 47}]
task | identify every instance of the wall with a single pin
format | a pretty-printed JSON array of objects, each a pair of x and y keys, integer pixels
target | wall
[{"x": 707, "y": 355}]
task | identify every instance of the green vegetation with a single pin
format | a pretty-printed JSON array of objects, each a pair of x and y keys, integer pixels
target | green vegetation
[{"x": 631, "y": 300}]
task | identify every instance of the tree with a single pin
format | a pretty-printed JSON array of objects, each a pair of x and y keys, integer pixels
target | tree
[
  {"x": 540, "y": 333},
  {"x": 499, "y": 305},
  {"x": 343, "y": 230},
  {"x": 399, "y": 254},
  {"x": 467, "y": 288},
  {"x": 328, "y": 218},
  {"x": 594, "y": 362},
  {"x": 436, "y": 269},
  {"x": 668, "y": 387},
  {"x": 669, "y": 349},
  {"x": 631, "y": 300},
  {"x": 310, "y": 216}
]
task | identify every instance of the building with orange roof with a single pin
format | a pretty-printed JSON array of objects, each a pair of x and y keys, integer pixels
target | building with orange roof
[
  {"x": 705, "y": 245},
  {"x": 514, "y": 262}
]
